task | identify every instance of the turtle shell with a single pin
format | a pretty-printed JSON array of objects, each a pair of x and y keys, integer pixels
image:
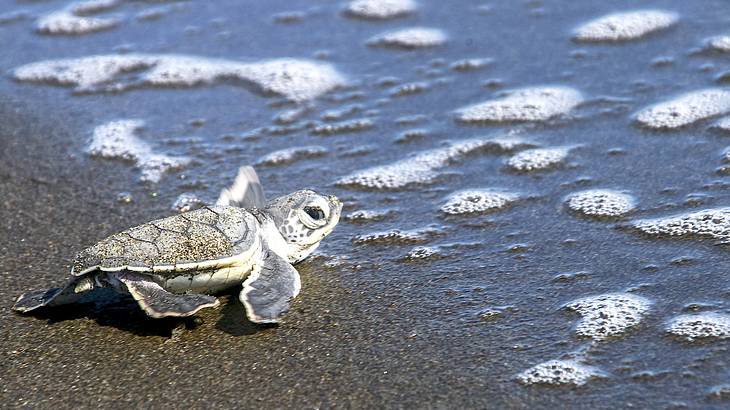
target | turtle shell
[{"x": 210, "y": 237}]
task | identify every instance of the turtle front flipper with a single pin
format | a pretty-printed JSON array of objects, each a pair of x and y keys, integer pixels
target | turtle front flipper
[
  {"x": 268, "y": 291},
  {"x": 159, "y": 303},
  {"x": 71, "y": 292},
  {"x": 246, "y": 191}
]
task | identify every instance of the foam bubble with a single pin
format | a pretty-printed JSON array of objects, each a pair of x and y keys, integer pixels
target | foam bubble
[
  {"x": 538, "y": 159},
  {"x": 342, "y": 127},
  {"x": 187, "y": 201},
  {"x": 422, "y": 168},
  {"x": 718, "y": 43},
  {"x": 601, "y": 203},
  {"x": 714, "y": 223},
  {"x": 560, "y": 373},
  {"x": 66, "y": 22},
  {"x": 609, "y": 315},
  {"x": 397, "y": 236},
  {"x": 416, "y": 37},
  {"x": 93, "y": 6},
  {"x": 525, "y": 104},
  {"x": 477, "y": 200},
  {"x": 369, "y": 215},
  {"x": 289, "y": 155},
  {"x": 700, "y": 326},
  {"x": 625, "y": 26},
  {"x": 409, "y": 89},
  {"x": 686, "y": 109},
  {"x": 296, "y": 79},
  {"x": 117, "y": 140},
  {"x": 722, "y": 124},
  {"x": 470, "y": 64},
  {"x": 380, "y": 9},
  {"x": 422, "y": 253}
]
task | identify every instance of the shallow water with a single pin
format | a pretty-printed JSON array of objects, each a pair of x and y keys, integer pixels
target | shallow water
[{"x": 450, "y": 310}]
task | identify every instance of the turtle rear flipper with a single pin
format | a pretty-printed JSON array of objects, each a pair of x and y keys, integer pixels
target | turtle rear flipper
[
  {"x": 30, "y": 301},
  {"x": 159, "y": 303}
]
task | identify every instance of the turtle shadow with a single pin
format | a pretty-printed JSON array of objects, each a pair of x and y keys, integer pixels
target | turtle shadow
[
  {"x": 233, "y": 319},
  {"x": 108, "y": 308}
]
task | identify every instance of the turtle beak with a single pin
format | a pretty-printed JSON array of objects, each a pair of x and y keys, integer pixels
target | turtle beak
[
  {"x": 336, "y": 204},
  {"x": 335, "y": 201}
]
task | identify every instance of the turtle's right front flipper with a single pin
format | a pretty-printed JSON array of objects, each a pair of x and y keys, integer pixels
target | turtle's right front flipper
[
  {"x": 159, "y": 303},
  {"x": 71, "y": 292},
  {"x": 268, "y": 291}
]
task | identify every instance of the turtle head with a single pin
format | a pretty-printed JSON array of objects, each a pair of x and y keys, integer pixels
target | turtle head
[{"x": 304, "y": 218}]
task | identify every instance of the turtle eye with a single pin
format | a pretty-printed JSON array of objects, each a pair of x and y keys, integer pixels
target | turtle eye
[{"x": 314, "y": 212}]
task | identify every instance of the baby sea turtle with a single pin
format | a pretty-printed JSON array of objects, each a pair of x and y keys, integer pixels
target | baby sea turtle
[{"x": 171, "y": 266}]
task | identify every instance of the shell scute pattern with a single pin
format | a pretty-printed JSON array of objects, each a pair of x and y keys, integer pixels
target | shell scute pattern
[
  {"x": 147, "y": 232},
  {"x": 164, "y": 245},
  {"x": 206, "y": 215}
]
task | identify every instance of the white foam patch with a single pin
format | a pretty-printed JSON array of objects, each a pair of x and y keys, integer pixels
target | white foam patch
[
  {"x": 470, "y": 64},
  {"x": 525, "y": 104},
  {"x": 718, "y": 43},
  {"x": 295, "y": 79},
  {"x": 343, "y": 127},
  {"x": 423, "y": 252},
  {"x": 686, "y": 109},
  {"x": 65, "y": 22},
  {"x": 415, "y": 37},
  {"x": 538, "y": 159},
  {"x": 187, "y": 201},
  {"x": 93, "y": 6},
  {"x": 601, "y": 203},
  {"x": 625, "y": 26},
  {"x": 560, "y": 373},
  {"x": 397, "y": 236},
  {"x": 700, "y": 326},
  {"x": 471, "y": 201},
  {"x": 609, "y": 315},
  {"x": 289, "y": 155},
  {"x": 117, "y": 140},
  {"x": 369, "y": 215},
  {"x": 422, "y": 168},
  {"x": 380, "y": 9},
  {"x": 713, "y": 223},
  {"x": 722, "y": 124}
]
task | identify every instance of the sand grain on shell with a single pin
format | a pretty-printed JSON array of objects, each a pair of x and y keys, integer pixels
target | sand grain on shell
[
  {"x": 625, "y": 26},
  {"x": 525, "y": 104}
]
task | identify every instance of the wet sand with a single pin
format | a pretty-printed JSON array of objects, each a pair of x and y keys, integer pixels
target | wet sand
[{"x": 337, "y": 347}]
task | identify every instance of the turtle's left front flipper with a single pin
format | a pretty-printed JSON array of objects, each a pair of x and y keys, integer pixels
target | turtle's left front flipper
[
  {"x": 158, "y": 303},
  {"x": 268, "y": 291}
]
